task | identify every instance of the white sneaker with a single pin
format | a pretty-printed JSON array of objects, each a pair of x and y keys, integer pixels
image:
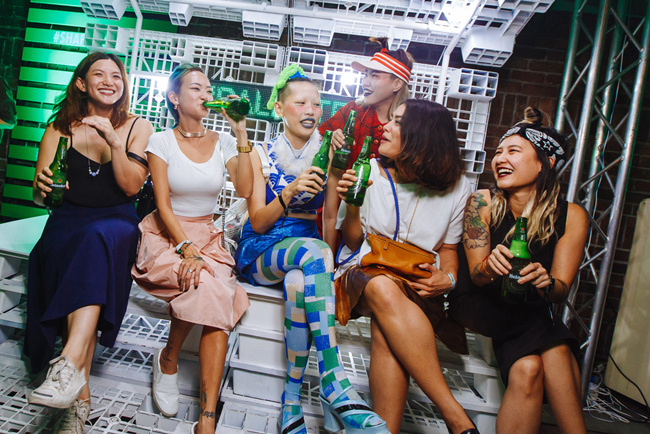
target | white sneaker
[
  {"x": 165, "y": 388},
  {"x": 62, "y": 386},
  {"x": 73, "y": 419}
]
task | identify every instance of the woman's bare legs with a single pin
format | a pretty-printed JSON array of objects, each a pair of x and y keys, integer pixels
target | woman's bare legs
[
  {"x": 80, "y": 339},
  {"x": 212, "y": 356},
  {"x": 388, "y": 379},
  {"x": 562, "y": 386},
  {"x": 521, "y": 406},
  {"x": 398, "y": 317},
  {"x": 178, "y": 331}
]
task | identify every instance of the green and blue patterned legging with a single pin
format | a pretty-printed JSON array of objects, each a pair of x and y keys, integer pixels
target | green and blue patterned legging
[{"x": 306, "y": 266}]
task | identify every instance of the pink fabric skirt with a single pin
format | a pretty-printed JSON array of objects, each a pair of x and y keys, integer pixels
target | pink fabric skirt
[{"x": 218, "y": 301}]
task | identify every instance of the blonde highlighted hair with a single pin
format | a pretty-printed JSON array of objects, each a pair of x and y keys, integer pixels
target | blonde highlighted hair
[{"x": 541, "y": 210}]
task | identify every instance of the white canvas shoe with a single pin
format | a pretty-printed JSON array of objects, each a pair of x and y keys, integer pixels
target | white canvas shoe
[
  {"x": 165, "y": 388},
  {"x": 74, "y": 418},
  {"x": 62, "y": 386}
]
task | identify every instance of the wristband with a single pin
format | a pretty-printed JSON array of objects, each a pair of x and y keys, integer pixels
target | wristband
[
  {"x": 284, "y": 205},
  {"x": 180, "y": 246},
  {"x": 453, "y": 281},
  {"x": 245, "y": 149},
  {"x": 551, "y": 286}
]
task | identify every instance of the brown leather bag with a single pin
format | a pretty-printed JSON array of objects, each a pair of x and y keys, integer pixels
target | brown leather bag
[{"x": 398, "y": 257}]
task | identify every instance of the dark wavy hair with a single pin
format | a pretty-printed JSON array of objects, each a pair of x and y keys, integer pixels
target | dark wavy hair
[
  {"x": 429, "y": 155},
  {"x": 73, "y": 106},
  {"x": 175, "y": 82}
]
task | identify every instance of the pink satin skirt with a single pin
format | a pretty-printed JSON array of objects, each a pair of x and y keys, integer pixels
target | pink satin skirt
[{"x": 218, "y": 301}]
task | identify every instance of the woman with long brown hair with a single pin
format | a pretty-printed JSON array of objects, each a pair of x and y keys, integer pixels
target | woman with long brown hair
[
  {"x": 416, "y": 197},
  {"x": 536, "y": 352},
  {"x": 79, "y": 271}
]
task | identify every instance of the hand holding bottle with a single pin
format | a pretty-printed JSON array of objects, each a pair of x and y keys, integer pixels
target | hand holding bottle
[
  {"x": 44, "y": 180},
  {"x": 338, "y": 139},
  {"x": 536, "y": 274},
  {"x": 348, "y": 179},
  {"x": 238, "y": 123},
  {"x": 309, "y": 180}
]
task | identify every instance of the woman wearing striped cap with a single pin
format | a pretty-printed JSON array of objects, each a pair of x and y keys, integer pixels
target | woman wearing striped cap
[{"x": 385, "y": 87}]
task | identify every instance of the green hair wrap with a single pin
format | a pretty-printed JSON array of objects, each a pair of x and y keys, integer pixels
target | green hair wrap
[{"x": 290, "y": 72}]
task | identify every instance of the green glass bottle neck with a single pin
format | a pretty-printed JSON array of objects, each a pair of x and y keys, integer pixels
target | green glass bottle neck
[
  {"x": 364, "y": 156},
  {"x": 349, "y": 126}
]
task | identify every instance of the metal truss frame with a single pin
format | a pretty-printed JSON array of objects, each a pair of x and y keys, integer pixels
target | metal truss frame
[{"x": 615, "y": 124}]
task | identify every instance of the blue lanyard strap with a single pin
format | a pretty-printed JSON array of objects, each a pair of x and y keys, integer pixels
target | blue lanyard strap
[{"x": 392, "y": 185}]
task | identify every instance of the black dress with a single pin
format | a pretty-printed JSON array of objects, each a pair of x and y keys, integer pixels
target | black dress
[
  {"x": 83, "y": 257},
  {"x": 516, "y": 330}
]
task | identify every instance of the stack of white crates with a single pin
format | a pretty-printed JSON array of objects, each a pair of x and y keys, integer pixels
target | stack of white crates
[{"x": 254, "y": 385}]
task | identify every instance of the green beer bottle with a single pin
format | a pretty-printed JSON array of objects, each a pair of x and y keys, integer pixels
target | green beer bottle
[
  {"x": 512, "y": 291},
  {"x": 357, "y": 193},
  {"x": 59, "y": 168},
  {"x": 236, "y": 108},
  {"x": 322, "y": 158},
  {"x": 341, "y": 156}
]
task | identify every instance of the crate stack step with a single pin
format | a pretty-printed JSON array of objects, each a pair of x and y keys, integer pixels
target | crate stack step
[{"x": 257, "y": 372}]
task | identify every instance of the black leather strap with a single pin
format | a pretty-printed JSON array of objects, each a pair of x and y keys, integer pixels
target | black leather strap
[{"x": 138, "y": 158}]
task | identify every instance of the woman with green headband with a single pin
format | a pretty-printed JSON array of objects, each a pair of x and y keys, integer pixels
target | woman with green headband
[{"x": 282, "y": 226}]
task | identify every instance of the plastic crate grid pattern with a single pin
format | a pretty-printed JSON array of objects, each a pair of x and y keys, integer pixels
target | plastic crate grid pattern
[
  {"x": 133, "y": 363},
  {"x": 145, "y": 331},
  {"x": 418, "y": 416}
]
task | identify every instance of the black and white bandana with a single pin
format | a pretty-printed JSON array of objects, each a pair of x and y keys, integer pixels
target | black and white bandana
[{"x": 542, "y": 138}]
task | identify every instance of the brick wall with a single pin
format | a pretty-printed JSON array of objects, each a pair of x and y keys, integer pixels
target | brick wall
[{"x": 13, "y": 20}]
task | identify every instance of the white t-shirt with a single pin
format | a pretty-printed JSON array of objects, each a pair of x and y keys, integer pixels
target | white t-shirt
[
  {"x": 193, "y": 187},
  {"x": 437, "y": 220}
]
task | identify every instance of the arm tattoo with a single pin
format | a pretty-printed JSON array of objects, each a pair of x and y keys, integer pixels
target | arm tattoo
[
  {"x": 475, "y": 274},
  {"x": 565, "y": 288},
  {"x": 475, "y": 231}
]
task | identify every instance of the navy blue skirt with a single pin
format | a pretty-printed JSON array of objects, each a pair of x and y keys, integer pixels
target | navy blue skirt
[{"x": 84, "y": 257}]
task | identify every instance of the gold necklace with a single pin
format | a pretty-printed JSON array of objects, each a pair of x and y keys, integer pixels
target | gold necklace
[{"x": 190, "y": 135}]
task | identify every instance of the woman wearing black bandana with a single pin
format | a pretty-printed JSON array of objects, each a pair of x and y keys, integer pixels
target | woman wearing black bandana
[{"x": 536, "y": 353}]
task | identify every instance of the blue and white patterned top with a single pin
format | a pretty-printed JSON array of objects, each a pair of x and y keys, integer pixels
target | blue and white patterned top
[{"x": 285, "y": 165}]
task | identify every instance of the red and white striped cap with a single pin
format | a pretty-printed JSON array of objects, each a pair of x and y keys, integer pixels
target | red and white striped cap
[{"x": 381, "y": 61}]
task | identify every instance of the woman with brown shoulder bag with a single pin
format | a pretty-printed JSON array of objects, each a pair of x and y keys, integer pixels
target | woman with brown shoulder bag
[{"x": 407, "y": 231}]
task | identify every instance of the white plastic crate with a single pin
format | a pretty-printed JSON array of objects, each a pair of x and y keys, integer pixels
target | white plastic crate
[
  {"x": 268, "y": 383},
  {"x": 263, "y": 25},
  {"x": 312, "y": 61},
  {"x": 473, "y": 84},
  {"x": 181, "y": 50},
  {"x": 9, "y": 300},
  {"x": 260, "y": 57},
  {"x": 108, "y": 38},
  {"x": 314, "y": 31},
  {"x": 474, "y": 160},
  {"x": 16, "y": 283},
  {"x": 15, "y": 317},
  {"x": 9, "y": 266},
  {"x": 267, "y": 307},
  {"x": 419, "y": 417},
  {"x": 106, "y": 9},
  {"x": 399, "y": 38},
  {"x": 180, "y": 14},
  {"x": 487, "y": 46}
]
